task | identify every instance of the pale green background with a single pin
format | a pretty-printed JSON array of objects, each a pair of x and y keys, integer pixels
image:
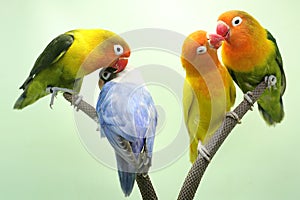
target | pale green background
[{"x": 41, "y": 154}]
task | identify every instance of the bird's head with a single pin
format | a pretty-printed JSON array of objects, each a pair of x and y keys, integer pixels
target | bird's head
[
  {"x": 235, "y": 27},
  {"x": 105, "y": 75},
  {"x": 121, "y": 53},
  {"x": 111, "y": 51},
  {"x": 198, "y": 53}
]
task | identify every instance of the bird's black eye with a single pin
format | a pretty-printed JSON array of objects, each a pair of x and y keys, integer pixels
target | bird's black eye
[
  {"x": 236, "y": 21},
  {"x": 118, "y": 49}
]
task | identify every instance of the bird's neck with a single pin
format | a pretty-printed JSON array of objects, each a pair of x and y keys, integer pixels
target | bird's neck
[{"x": 246, "y": 52}]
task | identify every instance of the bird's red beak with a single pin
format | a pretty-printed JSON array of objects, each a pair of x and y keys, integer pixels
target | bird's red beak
[
  {"x": 121, "y": 62},
  {"x": 215, "y": 40},
  {"x": 223, "y": 30}
]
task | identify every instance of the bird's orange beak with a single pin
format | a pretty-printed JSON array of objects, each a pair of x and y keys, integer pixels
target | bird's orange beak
[
  {"x": 223, "y": 30},
  {"x": 215, "y": 40}
]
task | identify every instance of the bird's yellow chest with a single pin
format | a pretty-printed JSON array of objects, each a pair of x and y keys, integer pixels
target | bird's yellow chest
[{"x": 209, "y": 85}]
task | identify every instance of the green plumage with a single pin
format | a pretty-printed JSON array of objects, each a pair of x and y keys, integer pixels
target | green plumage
[
  {"x": 250, "y": 53},
  {"x": 270, "y": 103},
  {"x": 47, "y": 69}
]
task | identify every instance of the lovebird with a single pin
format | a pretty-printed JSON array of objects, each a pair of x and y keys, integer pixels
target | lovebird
[
  {"x": 250, "y": 53},
  {"x": 208, "y": 92},
  {"x": 128, "y": 119},
  {"x": 68, "y": 58}
]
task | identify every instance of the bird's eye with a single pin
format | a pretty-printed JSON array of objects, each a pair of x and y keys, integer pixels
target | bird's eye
[
  {"x": 118, "y": 49},
  {"x": 201, "y": 50},
  {"x": 236, "y": 21},
  {"x": 106, "y": 75}
]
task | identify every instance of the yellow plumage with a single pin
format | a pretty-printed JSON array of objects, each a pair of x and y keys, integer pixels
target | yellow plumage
[{"x": 208, "y": 91}]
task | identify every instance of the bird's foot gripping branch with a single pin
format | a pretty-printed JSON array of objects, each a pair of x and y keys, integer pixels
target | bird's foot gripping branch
[
  {"x": 82, "y": 105},
  {"x": 55, "y": 90},
  {"x": 271, "y": 81}
]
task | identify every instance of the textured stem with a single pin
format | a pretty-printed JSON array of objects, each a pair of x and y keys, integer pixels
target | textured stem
[
  {"x": 146, "y": 187},
  {"x": 83, "y": 106}
]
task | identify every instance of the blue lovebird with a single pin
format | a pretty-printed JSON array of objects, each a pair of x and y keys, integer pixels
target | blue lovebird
[{"x": 128, "y": 119}]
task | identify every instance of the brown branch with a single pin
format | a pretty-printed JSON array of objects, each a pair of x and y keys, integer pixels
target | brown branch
[
  {"x": 83, "y": 106},
  {"x": 196, "y": 172},
  {"x": 146, "y": 187}
]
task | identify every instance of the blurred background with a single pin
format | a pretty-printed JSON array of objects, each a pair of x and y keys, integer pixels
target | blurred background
[{"x": 42, "y": 154}]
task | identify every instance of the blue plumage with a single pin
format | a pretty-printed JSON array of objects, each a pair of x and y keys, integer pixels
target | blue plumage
[{"x": 128, "y": 118}]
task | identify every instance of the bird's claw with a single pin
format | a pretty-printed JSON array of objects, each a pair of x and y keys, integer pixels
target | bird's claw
[
  {"x": 233, "y": 115},
  {"x": 145, "y": 174},
  {"x": 247, "y": 97},
  {"x": 77, "y": 100},
  {"x": 145, "y": 157},
  {"x": 203, "y": 151},
  {"x": 271, "y": 81},
  {"x": 143, "y": 161},
  {"x": 54, "y": 91},
  {"x": 96, "y": 120}
]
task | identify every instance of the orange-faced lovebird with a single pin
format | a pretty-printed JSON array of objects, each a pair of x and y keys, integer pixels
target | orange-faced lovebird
[
  {"x": 128, "y": 119},
  {"x": 250, "y": 53},
  {"x": 208, "y": 91},
  {"x": 68, "y": 58}
]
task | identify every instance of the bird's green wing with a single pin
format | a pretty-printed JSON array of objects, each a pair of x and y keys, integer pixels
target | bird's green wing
[
  {"x": 279, "y": 62},
  {"x": 52, "y": 53},
  {"x": 232, "y": 74}
]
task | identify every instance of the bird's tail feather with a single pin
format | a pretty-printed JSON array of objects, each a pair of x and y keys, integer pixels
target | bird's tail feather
[
  {"x": 25, "y": 99},
  {"x": 127, "y": 181},
  {"x": 273, "y": 116},
  {"x": 20, "y": 103},
  {"x": 127, "y": 175}
]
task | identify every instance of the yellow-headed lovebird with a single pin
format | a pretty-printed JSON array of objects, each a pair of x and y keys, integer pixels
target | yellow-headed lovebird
[
  {"x": 208, "y": 92},
  {"x": 251, "y": 53},
  {"x": 68, "y": 58}
]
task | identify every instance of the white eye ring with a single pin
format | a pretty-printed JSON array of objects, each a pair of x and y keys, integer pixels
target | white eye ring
[
  {"x": 236, "y": 21},
  {"x": 106, "y": 75},
  {"x": 201, "y": 50},
  {"x": 118, "y": 49}
]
